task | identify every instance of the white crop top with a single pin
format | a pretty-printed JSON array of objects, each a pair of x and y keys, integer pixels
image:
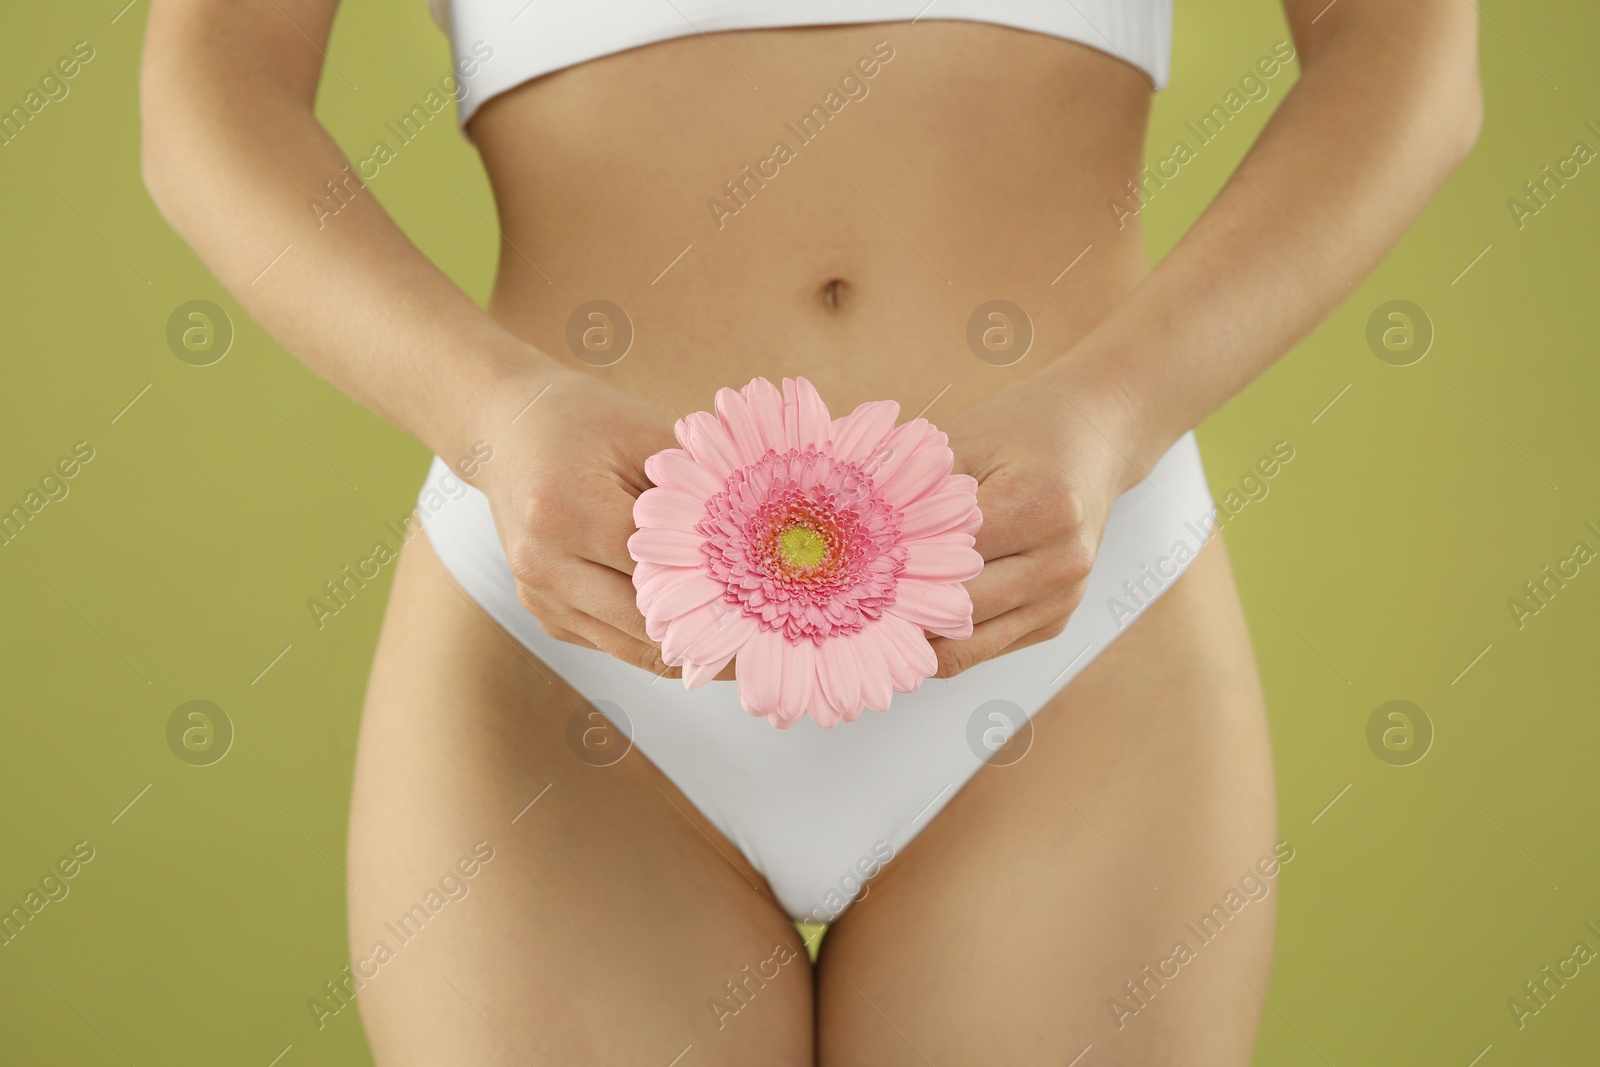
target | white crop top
[{"x": 499, "y": 44}]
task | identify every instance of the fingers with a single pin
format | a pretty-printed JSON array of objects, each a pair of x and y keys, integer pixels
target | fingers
[
  {"x": 1016, "y": 601},
  {"x": 1011, "y": 632},
  {"x": 1033, "y": 637},
  {"x": 1013, "y": 516},
  {"x": 594, "y": 606},
  {"x": 1055, "y": 575},
  {"x": 548, "y": 525},
  {"x": 561, "y": 633},
  {"x": 634, "y": 654},
  {"x": 573, "y": 574},
  {"x": 1003, "y": 585},
  {"x": 1023, "y": 513},
  {"x": 987, "y": 641},
  {"x": 586, "y": 631},
  {"x": 605, "y": 595},
  {"x": 641, "y": 654},
  {"x": 599, "y": 528}
]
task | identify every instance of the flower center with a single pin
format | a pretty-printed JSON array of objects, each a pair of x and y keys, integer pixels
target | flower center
[
  {"x": 804, "y": 543},
  {"x": 802, "y": 546}
]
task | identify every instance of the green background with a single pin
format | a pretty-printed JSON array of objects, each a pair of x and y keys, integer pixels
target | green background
[{"x": 1378, "y": 568}]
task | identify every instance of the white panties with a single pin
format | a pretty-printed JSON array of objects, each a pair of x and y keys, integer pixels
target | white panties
[{"x": 817, "y": 811}]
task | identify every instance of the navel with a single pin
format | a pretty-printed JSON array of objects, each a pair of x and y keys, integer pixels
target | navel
[{"x": 833, "y": 291}]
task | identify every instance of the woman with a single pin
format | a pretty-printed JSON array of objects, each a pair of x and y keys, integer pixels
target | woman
[{"x": 640, "y": 908}]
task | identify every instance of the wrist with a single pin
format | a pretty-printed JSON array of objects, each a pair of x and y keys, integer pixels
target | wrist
[
  {"x": 1098, "y": 386},
  {"x": 475, "y": 422}
]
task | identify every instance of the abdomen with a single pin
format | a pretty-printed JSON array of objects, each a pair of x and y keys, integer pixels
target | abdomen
[{"x": 747, "y": 222}]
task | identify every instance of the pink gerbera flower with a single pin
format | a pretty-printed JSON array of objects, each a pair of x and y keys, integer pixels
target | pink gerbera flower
[{"x": 816, "y": 550}]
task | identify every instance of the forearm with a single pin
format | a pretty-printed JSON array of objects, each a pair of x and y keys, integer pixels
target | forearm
[
  {"x": 1386, "y": 107},
  {"x": 234, "y": 158}
]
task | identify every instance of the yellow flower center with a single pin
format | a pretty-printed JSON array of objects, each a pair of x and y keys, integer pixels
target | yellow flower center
[{"x": 802, "y": 546}]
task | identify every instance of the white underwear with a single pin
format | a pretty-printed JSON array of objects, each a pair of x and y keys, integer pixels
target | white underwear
[{"x": 818, "y": 812}]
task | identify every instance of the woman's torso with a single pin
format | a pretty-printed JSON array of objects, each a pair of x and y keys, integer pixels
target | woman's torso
[{"x": 974, "y": 164}]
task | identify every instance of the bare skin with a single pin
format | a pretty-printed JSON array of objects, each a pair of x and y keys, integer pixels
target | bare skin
[
  {"x": 612, "y": 911},
  {"x": 1005, "y": 930},
  {"x": 1315, "y": 204},
  {"x": 979, "y": 166}
]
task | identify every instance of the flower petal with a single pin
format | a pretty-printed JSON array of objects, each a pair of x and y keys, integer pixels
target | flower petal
[
  {"x": 708, "y": 443},
  {"x": 960, "y": 483},
  {"x": 670, "y": 591},
  {"x": 919, "y": 475},
  {"x": 872, "y": 658},
  {"x": 839, "y": 677},
  {"x": 893, "y": 451},
  {"x": 673, "y": 509},
  {"x": 822, "y": 713},
  {"x": 673, "y": 468},
  {"x": 855, "y": 435},
  {"x": 759, "y": 669},
  {"x": 766, "y": 411},
  {"x": 949, "y": 537},
  {"x": 697, "y": 674},
  {"x": 655, "y": 628},
  {"x": 912, "y": 643},
  {"x": 935, "y": 513},
  {"x": 799, "y": 678},
  {"x": 901, "y": 675},
  {"x": 707, "y": 599},
  {"x": 731, "y": 628},
  {"x": 650, "y": 574},
  {"x": 941, "y": 608},
  {"x": 805, "y": 415},
  {"x": 675, "y": 548},
  {"x": 734, "y": 411},
  {"x": 936, "y": 561},
  {"x": 687, "y": 635}
]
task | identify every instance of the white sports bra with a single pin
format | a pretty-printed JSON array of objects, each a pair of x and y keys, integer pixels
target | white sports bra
[{"x": 499, "y": 44}]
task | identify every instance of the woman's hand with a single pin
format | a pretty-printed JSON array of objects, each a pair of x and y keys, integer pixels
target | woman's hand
[
  {"x": 1048, "y": 457},
  {"x": 567, "y": 468}
]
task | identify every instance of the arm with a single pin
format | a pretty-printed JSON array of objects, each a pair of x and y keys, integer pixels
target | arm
[
  {"x": 1387, "y": 106},
  {"x": 233, "y": 155}
]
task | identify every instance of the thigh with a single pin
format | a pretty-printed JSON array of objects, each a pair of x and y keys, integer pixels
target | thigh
[
  {"x": 512, "y": 903},
  {"x": 1042, "y": 911}
]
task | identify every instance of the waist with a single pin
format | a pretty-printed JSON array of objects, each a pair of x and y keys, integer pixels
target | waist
[{"x": 902, "y": 211}]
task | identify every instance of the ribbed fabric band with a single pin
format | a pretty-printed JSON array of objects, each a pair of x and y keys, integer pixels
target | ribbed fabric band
[{"x": 527, "y": 38}]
